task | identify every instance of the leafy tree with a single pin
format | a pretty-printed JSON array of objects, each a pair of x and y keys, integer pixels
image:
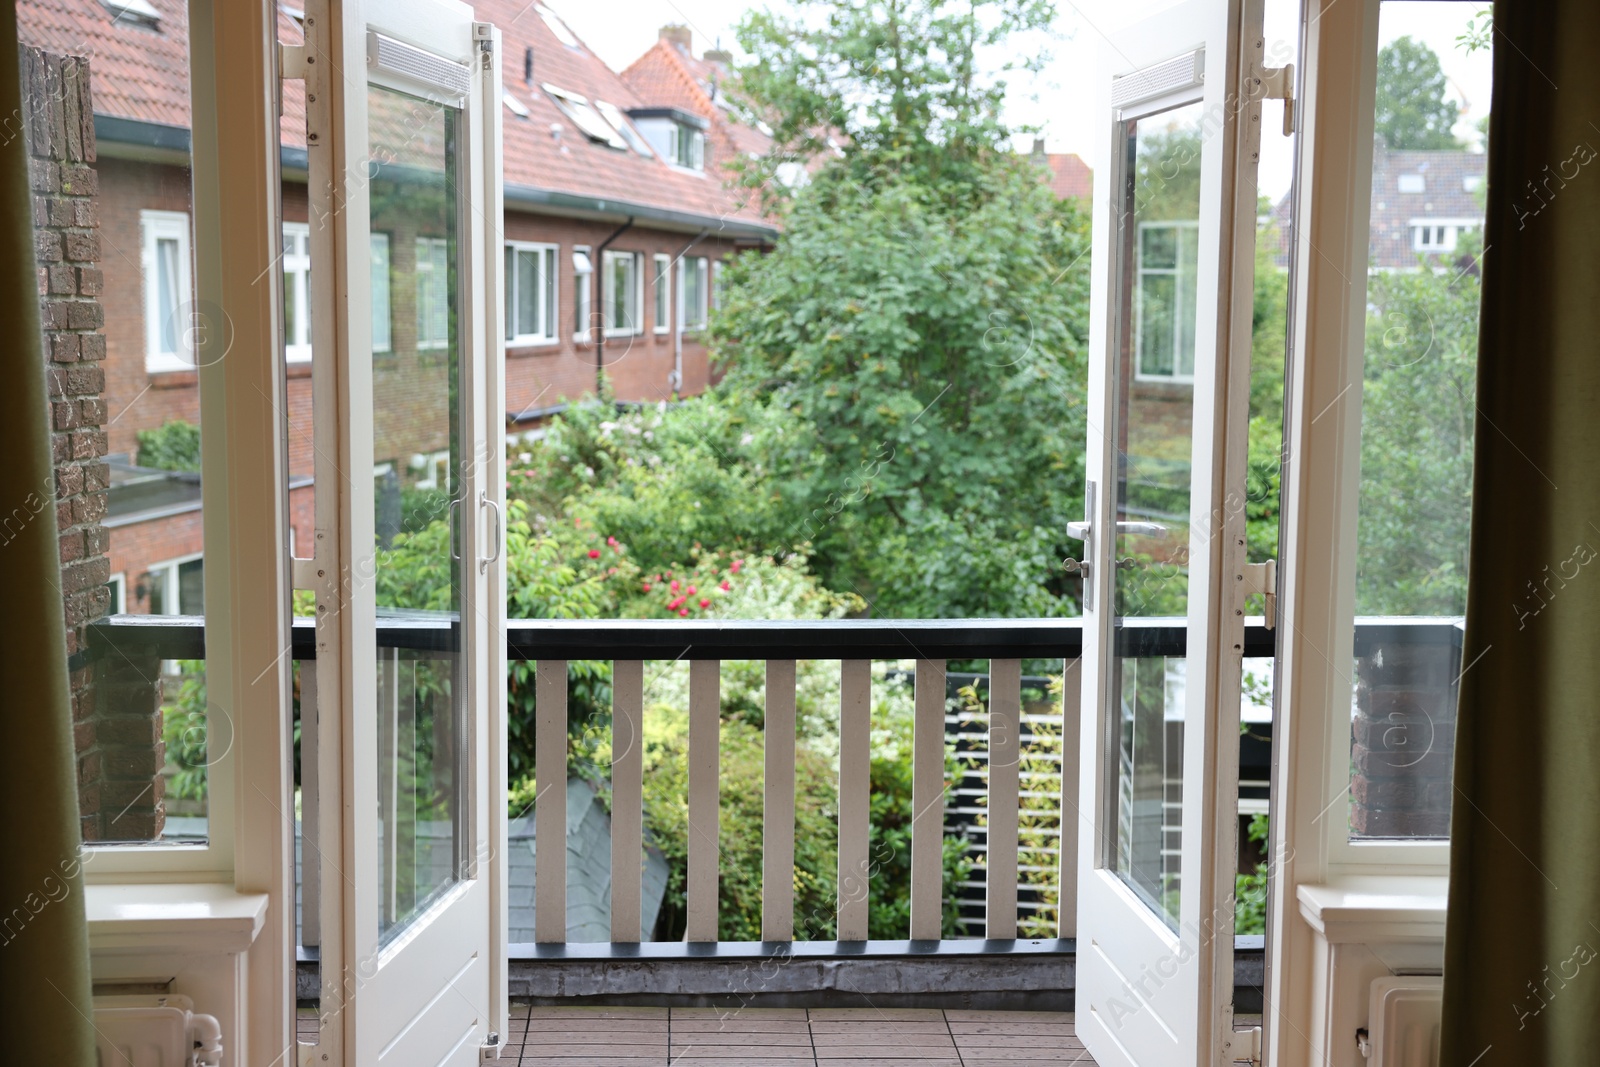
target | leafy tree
[
  {"x": 1412, "y": 109},
  {"x": 1419, "y": 401},
  {"x": 172, "y": 446}
]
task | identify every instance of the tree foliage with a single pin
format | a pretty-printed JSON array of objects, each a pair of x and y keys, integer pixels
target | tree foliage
[
  {"x": 172, "y": 446},
  {"x": 1412, "y": 109}
]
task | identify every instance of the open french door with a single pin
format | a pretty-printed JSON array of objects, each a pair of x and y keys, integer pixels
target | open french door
[
  {"x": 404, "y": 207},
  {"x": 1174, "y": 241}
]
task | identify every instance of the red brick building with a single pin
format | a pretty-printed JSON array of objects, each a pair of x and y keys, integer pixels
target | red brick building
[{"x": 618, "y": 212}]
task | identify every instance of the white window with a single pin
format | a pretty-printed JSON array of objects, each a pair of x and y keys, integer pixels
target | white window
[
  {"x": 382, "y": 333},
  {"x": 663, "y": 293},
  {"x": 1412, "y": 183},
  {"x": 530, "y": 293},
  {"x": 622, "y": 293},
  {"x": 1164, "y": 316},
  {"x": 694, "y": 291},
  {"x": 557, "y": 27},
  {"x": 167, "y": 292},
  {"x": 1439, "y": 235},
  {"x": 433, "y": 292},
  {"x": 674, "y": 136},
  {"x": 582, "y": 280},
  {"x": 585, "y": 117},
  {"x": 117, "y": 586},
  {"x": 176, "y": 587},
  {"x": 296, "y": 292},
  {"x": 689, "y": 148}
]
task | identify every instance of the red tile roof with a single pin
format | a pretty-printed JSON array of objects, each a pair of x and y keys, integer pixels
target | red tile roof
[
  {"x": 1070, "y": 177},
  {"x": 670, "y": 75},
  {"x": 140, "y": 73}
]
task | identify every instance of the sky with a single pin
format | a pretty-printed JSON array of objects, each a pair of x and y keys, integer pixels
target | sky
[{"x": 620, "y": 30}]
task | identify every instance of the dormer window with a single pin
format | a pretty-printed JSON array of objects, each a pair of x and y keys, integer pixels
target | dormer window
[
  {"x": 1412, "y": 183},
  {"x": 559, "y": 28},
  {"x": 619, "y": 122},
  {"x": 678, "y": 136}
]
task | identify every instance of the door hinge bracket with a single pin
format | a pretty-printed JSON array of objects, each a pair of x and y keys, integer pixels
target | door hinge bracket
[
  {"x": 1261, "y": 578},
  {"x": 1243, "y": 1046},
  {"x": 489, "y": 1051},
  {"x": 292, "y": 61},
  {"x": 1277, "y": 83}
]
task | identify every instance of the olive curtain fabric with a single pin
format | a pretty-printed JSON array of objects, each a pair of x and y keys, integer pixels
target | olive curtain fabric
[
  {"x": 44, "y": 940},
  {"x": 1522, "y": 952}
]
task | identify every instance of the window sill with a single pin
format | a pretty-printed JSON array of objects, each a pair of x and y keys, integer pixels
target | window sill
[
  {"x": 1377, "y": 908},
  {"x": 172, "y": 377},
  {"x": 196, "y": 918},
  {"x": 519, "y": 348}
]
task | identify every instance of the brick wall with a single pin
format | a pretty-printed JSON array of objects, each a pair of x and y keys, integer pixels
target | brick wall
[
  {"x": 1403, "y": 739},
  {"x": 119, "y": 754}
]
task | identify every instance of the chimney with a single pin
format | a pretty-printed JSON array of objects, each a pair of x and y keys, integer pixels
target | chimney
[
  {"x": 680, "y": 36},
  {"x": 1038, "y": 154}
]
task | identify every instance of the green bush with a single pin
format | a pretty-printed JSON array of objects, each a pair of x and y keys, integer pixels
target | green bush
[{"x": 173, "y": 446}]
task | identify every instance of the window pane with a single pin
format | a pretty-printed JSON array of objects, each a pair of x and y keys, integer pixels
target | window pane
[
  {"x": 527, "y": 291},
  {"x": 167, "y": 290},
  {"x": 511, "y": 292},
  {"x": 1418, "y": 409},
  {"x": 381, "y": 339}
]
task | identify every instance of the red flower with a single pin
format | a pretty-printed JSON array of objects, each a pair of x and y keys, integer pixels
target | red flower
[
  {"x": 674, "y": 585},
  {"x": 705, "y": 603},
  {"x": 736, "y": 565},
  {"x": 675, "y": 602},
  {"x": 725, "y": 585},
  {"x": 646, "y": 587},
  {"x": 594, "y": 553},
  {"x": 685, "y": 611}
]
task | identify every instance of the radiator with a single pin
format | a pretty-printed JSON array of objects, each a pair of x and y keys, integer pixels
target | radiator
[
  {"x": 1403, "y": 1021},
  {"x": 155, "y": 1031}
]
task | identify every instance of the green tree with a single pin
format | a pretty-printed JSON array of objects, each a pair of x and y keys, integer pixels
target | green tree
[
  {"x": 172, "y": 446},
  {"x": 1412, "y": 110}
]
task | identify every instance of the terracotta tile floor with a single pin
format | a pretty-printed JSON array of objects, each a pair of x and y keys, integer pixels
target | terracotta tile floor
[{"x": 790, "y": 1037}]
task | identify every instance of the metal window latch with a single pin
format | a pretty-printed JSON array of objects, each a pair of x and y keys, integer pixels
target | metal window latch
[
  {"x": 1277, "y": 83},
  {"x": 1261, "y": 578}
]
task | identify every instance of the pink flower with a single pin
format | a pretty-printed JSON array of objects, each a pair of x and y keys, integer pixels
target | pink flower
[
  {"x": 691, "y": 590},
  {"x": 675, "y": 603},
  {"x": 594, "y": 553},
  {"x": 685, "y": 611},
  {"x": 646, "y": 587},
  {"x": 736, "y": 565},
  {"x": 725, "y": 586},
  {"x": 674, "y": 585},
  {"x": 612, "y": 541},
  {"x": 705, "y": 603}
]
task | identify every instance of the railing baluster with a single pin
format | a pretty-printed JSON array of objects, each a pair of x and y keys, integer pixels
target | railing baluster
[
  {"x": 927, "y": 803},
  {"x": 855, "y": 802},
  {"x": 705, "y": 742},
  {"x": 1071, "y": 695},
  {"x": 550, "y": 803},
  {"x": 627, "y": 798},
  {"x": 1005, "y": 749},
  {"x": 777, "y": 812}
]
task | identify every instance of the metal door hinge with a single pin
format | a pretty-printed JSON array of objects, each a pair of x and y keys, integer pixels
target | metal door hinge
[
  {"x": 1277, "y": 83},
  {"x": 489, "y": 1051},
  {"x": 1243, "y": 1046},
  {"x": 292, "y": 61},
  {"x": 1261, "y": 578}
]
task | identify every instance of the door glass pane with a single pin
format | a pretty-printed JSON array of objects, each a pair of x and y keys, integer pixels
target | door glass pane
[
  {"x": 1155, "y": 330},
  {"x": 419, "y": 580},
  {"x": 527, "y": 290}
]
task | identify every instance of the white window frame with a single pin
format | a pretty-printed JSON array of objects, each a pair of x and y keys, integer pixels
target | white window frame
[
  {"x": 582, "y": 294},
  {"x": 634, "y": 298},
  {"x": 548, "y": 294},
  {"x": 694, "y": 318},
  {"x": 424, "y": 268},
  {"x": 154, "y": 228},
  {"x": 1450, "y": 231},
  {"x": 661, "y": 293},
  {"x": 1140, "y": 270},
  {"x": 297, "y": 291},
  {"x": 167, "y": 572},
  {"x": 583, "y": 115},
  {"x": 118, "y": 584}
]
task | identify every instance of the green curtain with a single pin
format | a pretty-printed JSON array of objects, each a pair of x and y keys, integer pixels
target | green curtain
[
  {"x": 1522, "y": 948},
  {"x": 44, "y": 939}
]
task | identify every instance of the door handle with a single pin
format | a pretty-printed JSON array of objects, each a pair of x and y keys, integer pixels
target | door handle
[
  {"x": 483, "y": 500},
  {"x": 1079, "y": 531}
]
